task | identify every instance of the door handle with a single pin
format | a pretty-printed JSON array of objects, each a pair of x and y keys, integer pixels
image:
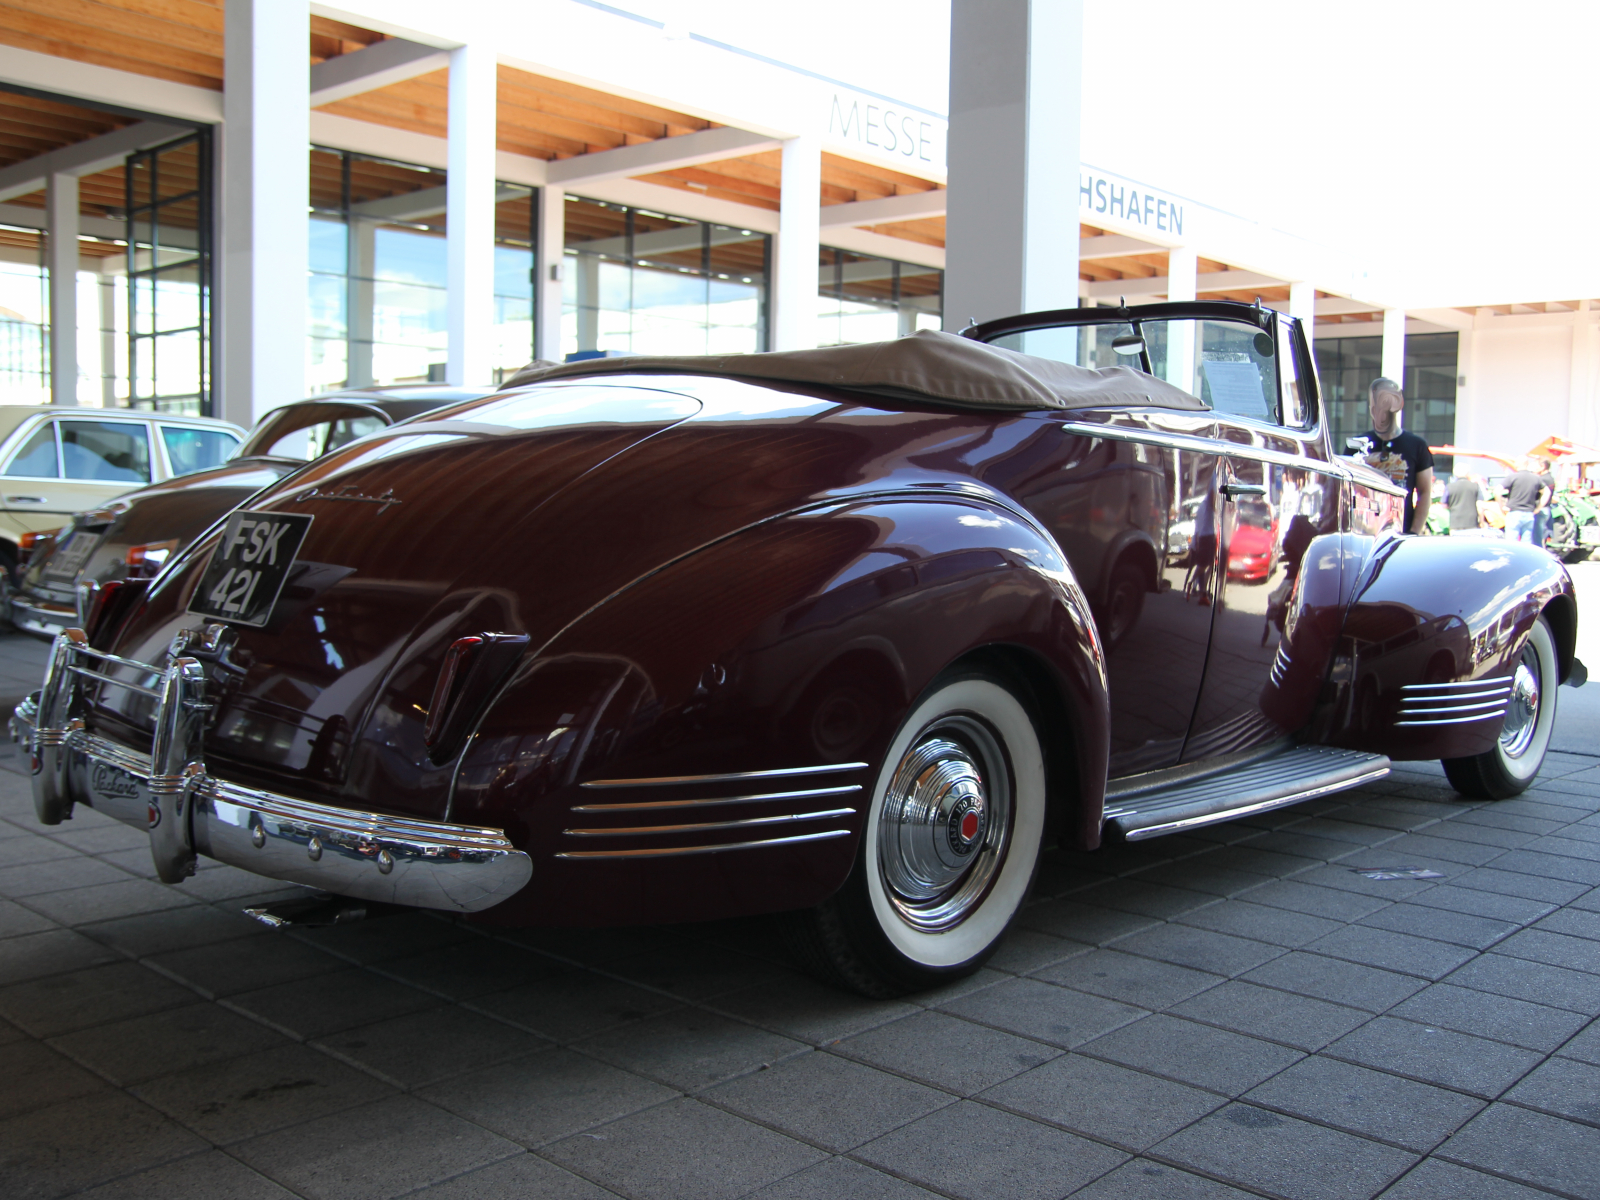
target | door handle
[
  {"x": 1234, "y": 490},
  {"x": 24, "y": 499}
]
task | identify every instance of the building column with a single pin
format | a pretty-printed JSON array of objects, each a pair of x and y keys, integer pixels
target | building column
[
  {"x": 547, "y": 273},
  {"x": 1015, "y": 95},
  {"x": 61, "y": 263},
  {"x": 1303, "y": 307},
  {"x": 469, "y": 194},
  {"x": 1183, "y": 269},
  {"x": 795, "y": 258},
  {"x": 1581, "y": 424},
  {"x": 359, "y": 308},
  {"x": 108, "y": 281},
  {"x": 1394, "y": 345},
  {"x": 264, "y": 240}
]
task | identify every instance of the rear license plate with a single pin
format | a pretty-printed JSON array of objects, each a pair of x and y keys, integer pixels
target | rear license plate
[
  {"x": 71, "y": 555},
  {"x": 249, "y": 566}
]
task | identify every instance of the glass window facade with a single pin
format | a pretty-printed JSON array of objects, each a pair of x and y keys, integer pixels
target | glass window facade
[
  {"x": 866, "y": 299},
  {"x": 641, "y": 282},
  {"x": 1346, "y": 368},
  {"x": 169, "y": 277},
  {"x": 24, "y": 328},
  {"x": 378, "y": 273}
]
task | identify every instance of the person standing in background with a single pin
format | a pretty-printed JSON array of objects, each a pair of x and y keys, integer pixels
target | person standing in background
[
  {"x": 1525, "y": 495},
  {"x": 1463, "y": 497},
  {"x": 1541, "y": 519},
  {"x": 1403, "y": 457}
]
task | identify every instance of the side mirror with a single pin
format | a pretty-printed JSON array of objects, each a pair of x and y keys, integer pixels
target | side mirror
[{"x": 1127, "y": 343}]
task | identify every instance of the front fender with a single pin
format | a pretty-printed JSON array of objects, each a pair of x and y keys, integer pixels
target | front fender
[
  {"x": 782, "y": 654},
  {"x": 1438, "y": 610}
]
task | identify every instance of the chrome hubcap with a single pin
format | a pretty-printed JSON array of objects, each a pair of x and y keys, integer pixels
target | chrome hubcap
[
  {"x": 944, "y": 824},
  {"x": 1522, "y": 713}
]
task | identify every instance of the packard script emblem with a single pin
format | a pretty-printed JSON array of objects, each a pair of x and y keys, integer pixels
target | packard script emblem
[
  {"x": 346, "y": 492},
  {"x": 109, "y": 782}
]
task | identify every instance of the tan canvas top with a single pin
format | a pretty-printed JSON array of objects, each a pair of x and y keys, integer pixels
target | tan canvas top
[{"x": 941, "y": 367}]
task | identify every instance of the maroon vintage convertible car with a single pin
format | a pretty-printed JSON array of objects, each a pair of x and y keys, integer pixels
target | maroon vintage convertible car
[{"x": 847, "y": 633}]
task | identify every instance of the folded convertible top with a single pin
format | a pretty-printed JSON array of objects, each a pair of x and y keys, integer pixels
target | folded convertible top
[{"x": 950, "y": 370}]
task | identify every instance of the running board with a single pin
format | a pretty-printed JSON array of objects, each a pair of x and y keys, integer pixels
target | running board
[{"x": 1293, "y": 775}]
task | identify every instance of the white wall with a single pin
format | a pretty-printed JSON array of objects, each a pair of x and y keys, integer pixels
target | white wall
[{"x": 1518, "y": 388}]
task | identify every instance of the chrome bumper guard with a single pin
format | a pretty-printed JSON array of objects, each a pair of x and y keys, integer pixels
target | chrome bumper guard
[{"x": 187, "y": 811}]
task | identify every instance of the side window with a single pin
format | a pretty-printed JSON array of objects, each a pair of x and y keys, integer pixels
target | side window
[
  {"x": 1231, "y": 366},
  {"x": 108, "y": 451},
  {"x": 313, "y": 441},
  {"x": 37, "y": 459},
  {"x": 190, "y": 449}
]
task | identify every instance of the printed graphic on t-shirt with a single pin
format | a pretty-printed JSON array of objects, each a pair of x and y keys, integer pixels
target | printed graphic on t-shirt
[{"x": 1390, "y": 463}]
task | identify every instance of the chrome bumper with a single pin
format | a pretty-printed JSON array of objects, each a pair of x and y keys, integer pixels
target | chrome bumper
[
  {"x": 187, "y": 811},
  {"x": 40, "y": 618}
]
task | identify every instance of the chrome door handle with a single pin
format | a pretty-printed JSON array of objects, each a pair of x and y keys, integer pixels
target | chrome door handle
[
  {"x": 24, "y": 499},
  {"x": 1232, "y": 490}
]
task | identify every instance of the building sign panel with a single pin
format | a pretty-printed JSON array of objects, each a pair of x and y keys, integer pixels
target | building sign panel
[
  {"x": 885, "y": 129},
  {"x": 1109, "y": 200}
]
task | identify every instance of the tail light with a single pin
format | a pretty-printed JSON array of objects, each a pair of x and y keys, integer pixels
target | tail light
[
  {"x": 473, "y": 667},
  {"x": 145, "y": 562},
  {"x": 30, "y": 543}
]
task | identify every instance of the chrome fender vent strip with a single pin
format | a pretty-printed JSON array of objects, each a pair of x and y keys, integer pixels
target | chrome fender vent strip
[
  {"x": 755, "y": 798},
  {"x": 730, "y": 777},
  {"x": 696, "y": 827},
  {"x": 1460, "y": 703},
  {"x": 674, "y": 851}
]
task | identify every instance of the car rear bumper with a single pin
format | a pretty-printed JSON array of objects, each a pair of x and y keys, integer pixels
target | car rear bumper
[
  {"x": 187, "y": 811},
  {"x": 40, "y": 617}
]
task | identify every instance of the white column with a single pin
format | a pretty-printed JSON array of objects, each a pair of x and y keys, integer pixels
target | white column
[
  {"x": 1303, "y": 307},
  {"x": 264, "y": 238},
  {"x": 1467, "y": 419},
  {"x": 1394, "y": 345},
  {"x": 469, "y": 193},
  {"x": 1183, "y": 269},
  {"x": 1580, "y": 393},
  {"x": 548, "y": 271},
  {"x": 61, "y": 263},
  {"x": 109, "y": 282},
  {"x": 361, "y": 264},
  {"x": 1015, "y": 93},
  {"x": 794, "y": 259}
]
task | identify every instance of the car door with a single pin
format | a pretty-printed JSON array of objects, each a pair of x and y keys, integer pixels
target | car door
[
  {"x": 1280, "y": 491},
  {"x": 67, "y": 464},
  {"x": 1130, "y": 496}
]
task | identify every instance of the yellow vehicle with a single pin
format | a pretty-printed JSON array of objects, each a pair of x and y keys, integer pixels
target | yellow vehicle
[{"x": 58, "y": 461}]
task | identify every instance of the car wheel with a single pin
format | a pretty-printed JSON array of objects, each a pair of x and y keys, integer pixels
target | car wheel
[
  {"x": 949, "y": 850},
  {"x": 1510, "y": 766}
]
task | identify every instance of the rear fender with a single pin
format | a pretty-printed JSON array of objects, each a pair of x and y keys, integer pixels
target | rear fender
[
  {"x": 798, "y": 644},
  {"x": 1432, "y": 610}
]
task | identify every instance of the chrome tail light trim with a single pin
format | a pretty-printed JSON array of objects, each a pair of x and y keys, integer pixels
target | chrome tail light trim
[{"x": 1459, "y": 703}]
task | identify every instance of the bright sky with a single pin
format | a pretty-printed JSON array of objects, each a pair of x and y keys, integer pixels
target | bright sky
[{"x": 1446, "y": 145}]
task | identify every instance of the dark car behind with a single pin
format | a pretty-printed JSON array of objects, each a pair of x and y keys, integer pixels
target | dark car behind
[{"x": 136, "y": 533}]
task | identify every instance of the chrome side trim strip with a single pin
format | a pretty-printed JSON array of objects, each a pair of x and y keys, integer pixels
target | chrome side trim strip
[
  {"x": 644, "y": 830},
  {"x": 730, "y": 777},
  {"x": 756, "y": 798},
  {"x": 1229, "y": 814},
  {"x": 1451, "y": 720},
  {"x": 1497, "y": 705},
  {"x": 1487, "y": 684},
  {"x": 673, "y": 851},
  {"x": 1201, "y": 445}
]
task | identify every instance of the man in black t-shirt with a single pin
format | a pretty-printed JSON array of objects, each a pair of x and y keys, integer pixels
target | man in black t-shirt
[
  {"x": 1462, "y": 497},
  {"x": 1525, "y": 495},
  {"x": 1403, "y": 457}
]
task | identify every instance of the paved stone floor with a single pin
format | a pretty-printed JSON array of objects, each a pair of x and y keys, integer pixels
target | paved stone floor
[{"x": 1233, "y": 1013}]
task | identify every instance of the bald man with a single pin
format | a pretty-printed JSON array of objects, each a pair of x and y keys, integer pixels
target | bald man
[{"x": 1403, "y": 457}]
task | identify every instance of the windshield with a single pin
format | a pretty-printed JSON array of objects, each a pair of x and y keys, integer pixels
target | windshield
[
  {"x": 307, "y": 431},
  {"x": 1230, "y": 366}
]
